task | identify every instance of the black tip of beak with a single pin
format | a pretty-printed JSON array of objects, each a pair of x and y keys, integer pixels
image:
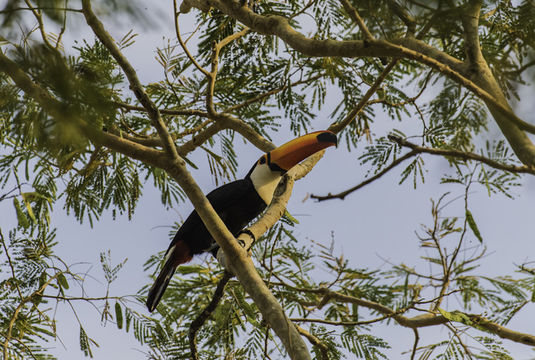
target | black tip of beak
[{"x": 328, "y": 137}]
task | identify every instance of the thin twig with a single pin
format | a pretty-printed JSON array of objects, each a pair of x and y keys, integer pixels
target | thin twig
[
  {"x": 324, "y": 350},
  {"x": 205, "y": 314},
  {"x": 354, "y": 15},
  {"x": 343, "y": 194},
  {"x": 415, "y": 346},
  {"x": 463, "y": 155},
  {"x": 15, "y": 280},
  {"x": 339, "y": 126}
]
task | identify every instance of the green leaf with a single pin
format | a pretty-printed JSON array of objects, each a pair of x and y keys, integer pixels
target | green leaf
[
  {"x": 290, "y": 217},
  {"x": 21, "y": 217},
  {"x": 118, "y": 315},
  {"x": 62, "y": 281},
  {"x": 473, "y": 226},
  {"x": 26, "y": 199}
]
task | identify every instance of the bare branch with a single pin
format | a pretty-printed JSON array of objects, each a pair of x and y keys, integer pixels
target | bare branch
[
  {"x": 464, "y": 155},
  {"x": 415, "y": 346},
  {"x": 183, "y": 45},
  {"x": 343, "y": 194}
]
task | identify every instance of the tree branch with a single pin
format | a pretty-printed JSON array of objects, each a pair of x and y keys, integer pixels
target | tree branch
[
  {"x": 463, "y": 155},
  {"x": 470, "y": 20},
  {"x": 135, "y": 85},
  {"x": 343, "y": 194},
  {"x": 215, "y": 64},
  {"x": 424, "y": 320},
  {"x": 324, "y": 350},
  {"x": 354, "y": 15}
]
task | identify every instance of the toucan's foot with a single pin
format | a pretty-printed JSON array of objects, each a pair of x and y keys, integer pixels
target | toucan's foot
[{"x": 248, "y": 232}]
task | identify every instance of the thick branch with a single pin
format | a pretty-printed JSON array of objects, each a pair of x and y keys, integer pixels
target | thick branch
[{"x": 470, "y": 19}]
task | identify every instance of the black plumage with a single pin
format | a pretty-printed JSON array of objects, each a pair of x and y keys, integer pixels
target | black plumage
[{"x": 237, "y": 203}]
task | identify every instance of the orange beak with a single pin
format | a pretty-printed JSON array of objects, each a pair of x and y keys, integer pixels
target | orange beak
[{"x": 293, "y": 152}]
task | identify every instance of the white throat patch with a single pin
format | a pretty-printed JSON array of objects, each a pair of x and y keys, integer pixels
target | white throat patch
[{"x": 265, "y": 181}]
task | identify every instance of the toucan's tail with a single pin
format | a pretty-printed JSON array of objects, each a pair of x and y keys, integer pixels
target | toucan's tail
[{"x": 176, "y": 255}]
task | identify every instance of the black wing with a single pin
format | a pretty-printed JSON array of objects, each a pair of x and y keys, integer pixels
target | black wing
[{"x": 237, "y": 203}]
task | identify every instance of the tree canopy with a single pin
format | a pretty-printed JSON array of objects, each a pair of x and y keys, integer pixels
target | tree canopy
[{"x": 80, "y": 131}]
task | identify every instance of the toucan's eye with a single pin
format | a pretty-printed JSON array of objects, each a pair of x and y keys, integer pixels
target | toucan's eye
[{"x": 262, "y": 160}]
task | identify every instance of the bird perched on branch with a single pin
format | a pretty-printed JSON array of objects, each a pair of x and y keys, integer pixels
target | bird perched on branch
[{"x": 236, "y": 203}]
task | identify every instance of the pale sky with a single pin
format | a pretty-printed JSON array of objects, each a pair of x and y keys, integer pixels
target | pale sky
[{"x": 373, "y": 224}]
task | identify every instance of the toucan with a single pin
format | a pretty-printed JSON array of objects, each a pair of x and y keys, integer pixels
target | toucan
[{"x": 237, "y": 203}]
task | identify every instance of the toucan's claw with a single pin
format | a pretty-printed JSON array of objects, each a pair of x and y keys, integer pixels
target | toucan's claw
[{"x": 250, "y": 233}]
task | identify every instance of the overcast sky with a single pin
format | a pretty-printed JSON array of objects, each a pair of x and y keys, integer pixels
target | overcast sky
[{"x": 372, "y": 225}]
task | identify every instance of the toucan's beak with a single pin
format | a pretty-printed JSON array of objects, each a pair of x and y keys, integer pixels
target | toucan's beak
[{"x": 293, "y": 152}]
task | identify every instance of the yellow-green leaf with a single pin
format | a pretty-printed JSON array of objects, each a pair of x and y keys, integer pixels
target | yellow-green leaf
[
  {"x": 62, "y": 281},
  {"x": 21, "y": 216},
  {"x": 473, "y": 226}
]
